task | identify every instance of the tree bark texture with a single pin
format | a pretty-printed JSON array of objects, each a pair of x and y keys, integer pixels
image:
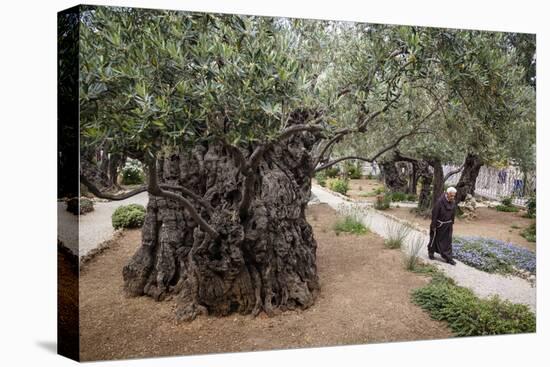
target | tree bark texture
[
  {"x": 438, "y": 183},
  {"x": 264, "y": 261}
]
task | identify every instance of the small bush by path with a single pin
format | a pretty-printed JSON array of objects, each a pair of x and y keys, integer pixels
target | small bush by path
[
  {"x": 128, "y": 216},
  {"x": 469, "y": 315},
  {"x": 353, "y": 170},
  {"x": 82, "y": 206},
  {"x": 493, "y": 256},
  {"x": 339, "y": 185}
]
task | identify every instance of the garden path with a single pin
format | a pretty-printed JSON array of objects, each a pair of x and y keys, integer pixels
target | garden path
[
  {"x": 512, "y": 288},
  {"x": 95, "y": 227}
]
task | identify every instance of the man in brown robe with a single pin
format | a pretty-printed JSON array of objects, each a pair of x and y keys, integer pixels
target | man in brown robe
[{"x": 441, "y": 227}]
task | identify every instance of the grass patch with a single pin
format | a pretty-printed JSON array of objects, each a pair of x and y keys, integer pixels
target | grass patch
[
  {"x": 396, "y": 234},
  {"x": 350, "y": 224},
  {"x": 410, "y": 259},
  {"x": 506, "y": 206},
  {"x": 377, "y": 191},
  {"x": 515, "y": 226},
  {"x": 507, "y": 209},
  {"x": 468, "y": 315},
  {"x": 530, "y": 233}
]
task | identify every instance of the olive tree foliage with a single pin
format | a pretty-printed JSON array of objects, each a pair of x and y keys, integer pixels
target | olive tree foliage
[
  {"x": 366, "y": 84},
  {"x": 153, "y": 79},
  {"x": 475, "y": 79}
]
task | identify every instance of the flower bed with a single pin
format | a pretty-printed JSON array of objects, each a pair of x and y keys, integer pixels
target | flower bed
[{"x": 494, "y": 256}]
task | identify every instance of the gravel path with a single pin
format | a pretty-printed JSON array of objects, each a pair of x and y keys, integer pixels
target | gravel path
[
  {"x": 483, "y": 284},
  {"x": 95, "y": 227}
]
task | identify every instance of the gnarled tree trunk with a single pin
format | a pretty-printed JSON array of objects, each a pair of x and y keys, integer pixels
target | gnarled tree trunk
[
  {"x": 392, "y": 177},
  {"x": 264, "y": 260},
  {"x": 467, "y": 182}
]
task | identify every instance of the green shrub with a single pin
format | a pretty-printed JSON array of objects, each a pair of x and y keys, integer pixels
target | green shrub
[
  {"x": 531, "y": 207},
  {"x": 339, "y": 185},
  {"x": 411, "y": 197},
  {"x": 353, "y": 170},
  {"x": 508, "y": 209},
  {"x": 350, "y": 224},
  {"x": 507, "y": 201},
  {"x": 128, "y": 216},
  {"x": 83, "y": 206},
  {"x": 321, "y": 178},
  {"x": 332, "y": 172},
  {"x": 382, "y": 202},
  {"x": 397, "y": 196},
  {"x": 530, "y": 233},
  {"x": 468, "y": 315},
  {"x": 132, "y": 173}
]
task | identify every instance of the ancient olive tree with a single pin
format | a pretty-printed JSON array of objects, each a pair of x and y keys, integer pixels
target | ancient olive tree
[
  {"x": 209, "y": 104},
  {"x": 232, "y": 116}
]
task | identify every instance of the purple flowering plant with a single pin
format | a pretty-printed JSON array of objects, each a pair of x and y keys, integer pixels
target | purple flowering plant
[{"x": 493, "y": 256}]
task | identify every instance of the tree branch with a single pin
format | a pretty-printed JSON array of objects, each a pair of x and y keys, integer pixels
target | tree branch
[
  {"x": 102, "y": 195},
  {"x": 373, "y": 158},
  {"x": 156, "y": 190},
  {"x": 191, "y": 194},
  {"x": 451, "y": 173}
]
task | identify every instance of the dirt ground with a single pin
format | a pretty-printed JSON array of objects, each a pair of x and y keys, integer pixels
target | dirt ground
[
  {"x": 365, "y": 298},
  {"x": 363, "y": 186},
  {"x": 67, "y": 302},
  {"x": 489, "y": 223}
]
